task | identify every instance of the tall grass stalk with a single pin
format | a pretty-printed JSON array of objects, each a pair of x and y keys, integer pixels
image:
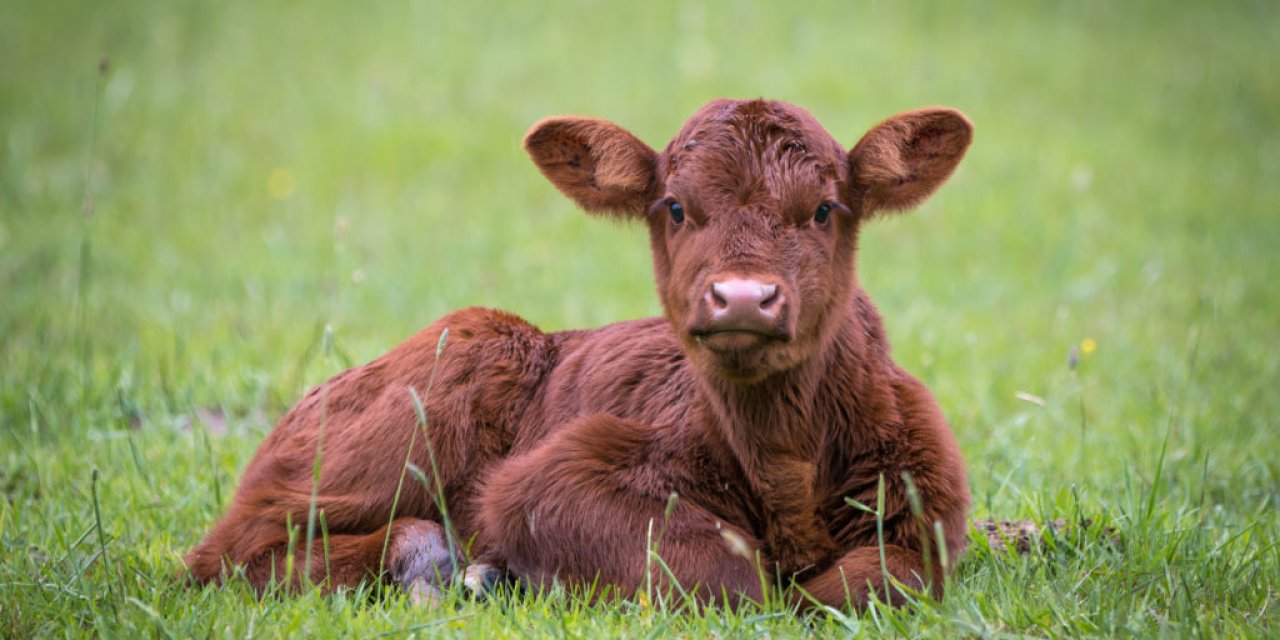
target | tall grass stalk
[
  {"x": 102, "y": 542},
  {"x": 215, "y": 476},
  {"x": 924, "y": 528},
  {"x": 878, "y": 513},
  {"x": 421, "y": 417},
  {"x": 451, "y": 536},
  {"x": 317, "y": 464},
  {"x": 88, "y": 204}
]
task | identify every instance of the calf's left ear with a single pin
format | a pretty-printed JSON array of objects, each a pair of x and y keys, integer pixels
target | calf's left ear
[
  {"x": 598, "y": 164},
  {"x": 902, "y": 160}
]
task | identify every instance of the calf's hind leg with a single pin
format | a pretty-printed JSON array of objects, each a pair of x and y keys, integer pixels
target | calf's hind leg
[
  {"x": 417, "y": 557},
  {"x": 590, "y": 502}
]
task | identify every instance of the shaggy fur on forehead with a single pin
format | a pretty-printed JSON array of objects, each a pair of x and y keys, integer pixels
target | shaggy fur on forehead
[
  {"x": 753, "y": 126},
  {"x": 752, "y": 150}
]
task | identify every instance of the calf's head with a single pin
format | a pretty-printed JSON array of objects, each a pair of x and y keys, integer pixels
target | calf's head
[{"x": 753, "y": 212}]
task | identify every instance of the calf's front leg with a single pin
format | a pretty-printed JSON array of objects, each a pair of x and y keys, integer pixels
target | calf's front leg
[
  {"x": 851, "y": 580},
  {"x": 588, "y": 506},
  {"x": 796, "y": 540}
]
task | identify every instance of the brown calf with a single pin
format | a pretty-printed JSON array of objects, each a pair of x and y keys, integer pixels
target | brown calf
[{"x": 762, "y": 400}]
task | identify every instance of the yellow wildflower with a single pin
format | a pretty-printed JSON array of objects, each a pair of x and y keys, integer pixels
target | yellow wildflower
[{"x": 281, "y": 184}]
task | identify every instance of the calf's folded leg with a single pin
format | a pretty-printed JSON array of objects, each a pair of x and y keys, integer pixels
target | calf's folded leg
[
  {"x": 588, "y": 505},
  {"x": 416, "y": 556},
  {"x": 852, "y": 578}
]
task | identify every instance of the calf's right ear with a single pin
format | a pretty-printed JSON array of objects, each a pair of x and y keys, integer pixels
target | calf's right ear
[{"x": 598, "y": 164}]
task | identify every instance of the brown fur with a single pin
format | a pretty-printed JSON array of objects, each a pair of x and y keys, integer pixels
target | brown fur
[{"x": 559, "y": 453}]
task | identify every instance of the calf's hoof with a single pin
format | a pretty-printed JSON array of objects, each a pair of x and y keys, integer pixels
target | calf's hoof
[
  {"x": 418, "y": 559},
  {"x": 480, "y": 578}
]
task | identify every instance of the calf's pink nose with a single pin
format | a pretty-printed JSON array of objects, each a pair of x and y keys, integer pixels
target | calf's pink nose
[{"x": 743, "y": 305}]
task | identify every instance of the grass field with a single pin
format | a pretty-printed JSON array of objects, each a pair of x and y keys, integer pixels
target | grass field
[{"x": 254, "y": 196}]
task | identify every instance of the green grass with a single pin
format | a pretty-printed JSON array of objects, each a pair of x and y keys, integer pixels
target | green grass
[{"x": 1122, "y": 191}]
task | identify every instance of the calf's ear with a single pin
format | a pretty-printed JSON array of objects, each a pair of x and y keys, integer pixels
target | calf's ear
[
  {"x": 598, "y": 164},
  {"x": 902, "y": 160}
]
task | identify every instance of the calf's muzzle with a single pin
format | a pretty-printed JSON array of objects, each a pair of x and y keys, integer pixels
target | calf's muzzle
[{"x": 743, "y": 305}]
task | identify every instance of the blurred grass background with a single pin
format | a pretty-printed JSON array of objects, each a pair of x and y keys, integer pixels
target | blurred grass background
[{"x": 257, "y": 172}]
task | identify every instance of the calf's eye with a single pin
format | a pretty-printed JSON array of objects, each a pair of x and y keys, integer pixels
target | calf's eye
[
  {"x": 677, "y": 212},
  {"x": 823, "y": 213}
]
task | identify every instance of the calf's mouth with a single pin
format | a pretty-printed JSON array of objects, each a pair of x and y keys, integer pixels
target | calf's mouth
[{"x": 730, "y": 341}]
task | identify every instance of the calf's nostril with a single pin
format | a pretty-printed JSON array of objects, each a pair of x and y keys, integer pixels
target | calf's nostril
[
  {"x": 716, "y": 299},
  {"x": 770, "y": 295}
]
